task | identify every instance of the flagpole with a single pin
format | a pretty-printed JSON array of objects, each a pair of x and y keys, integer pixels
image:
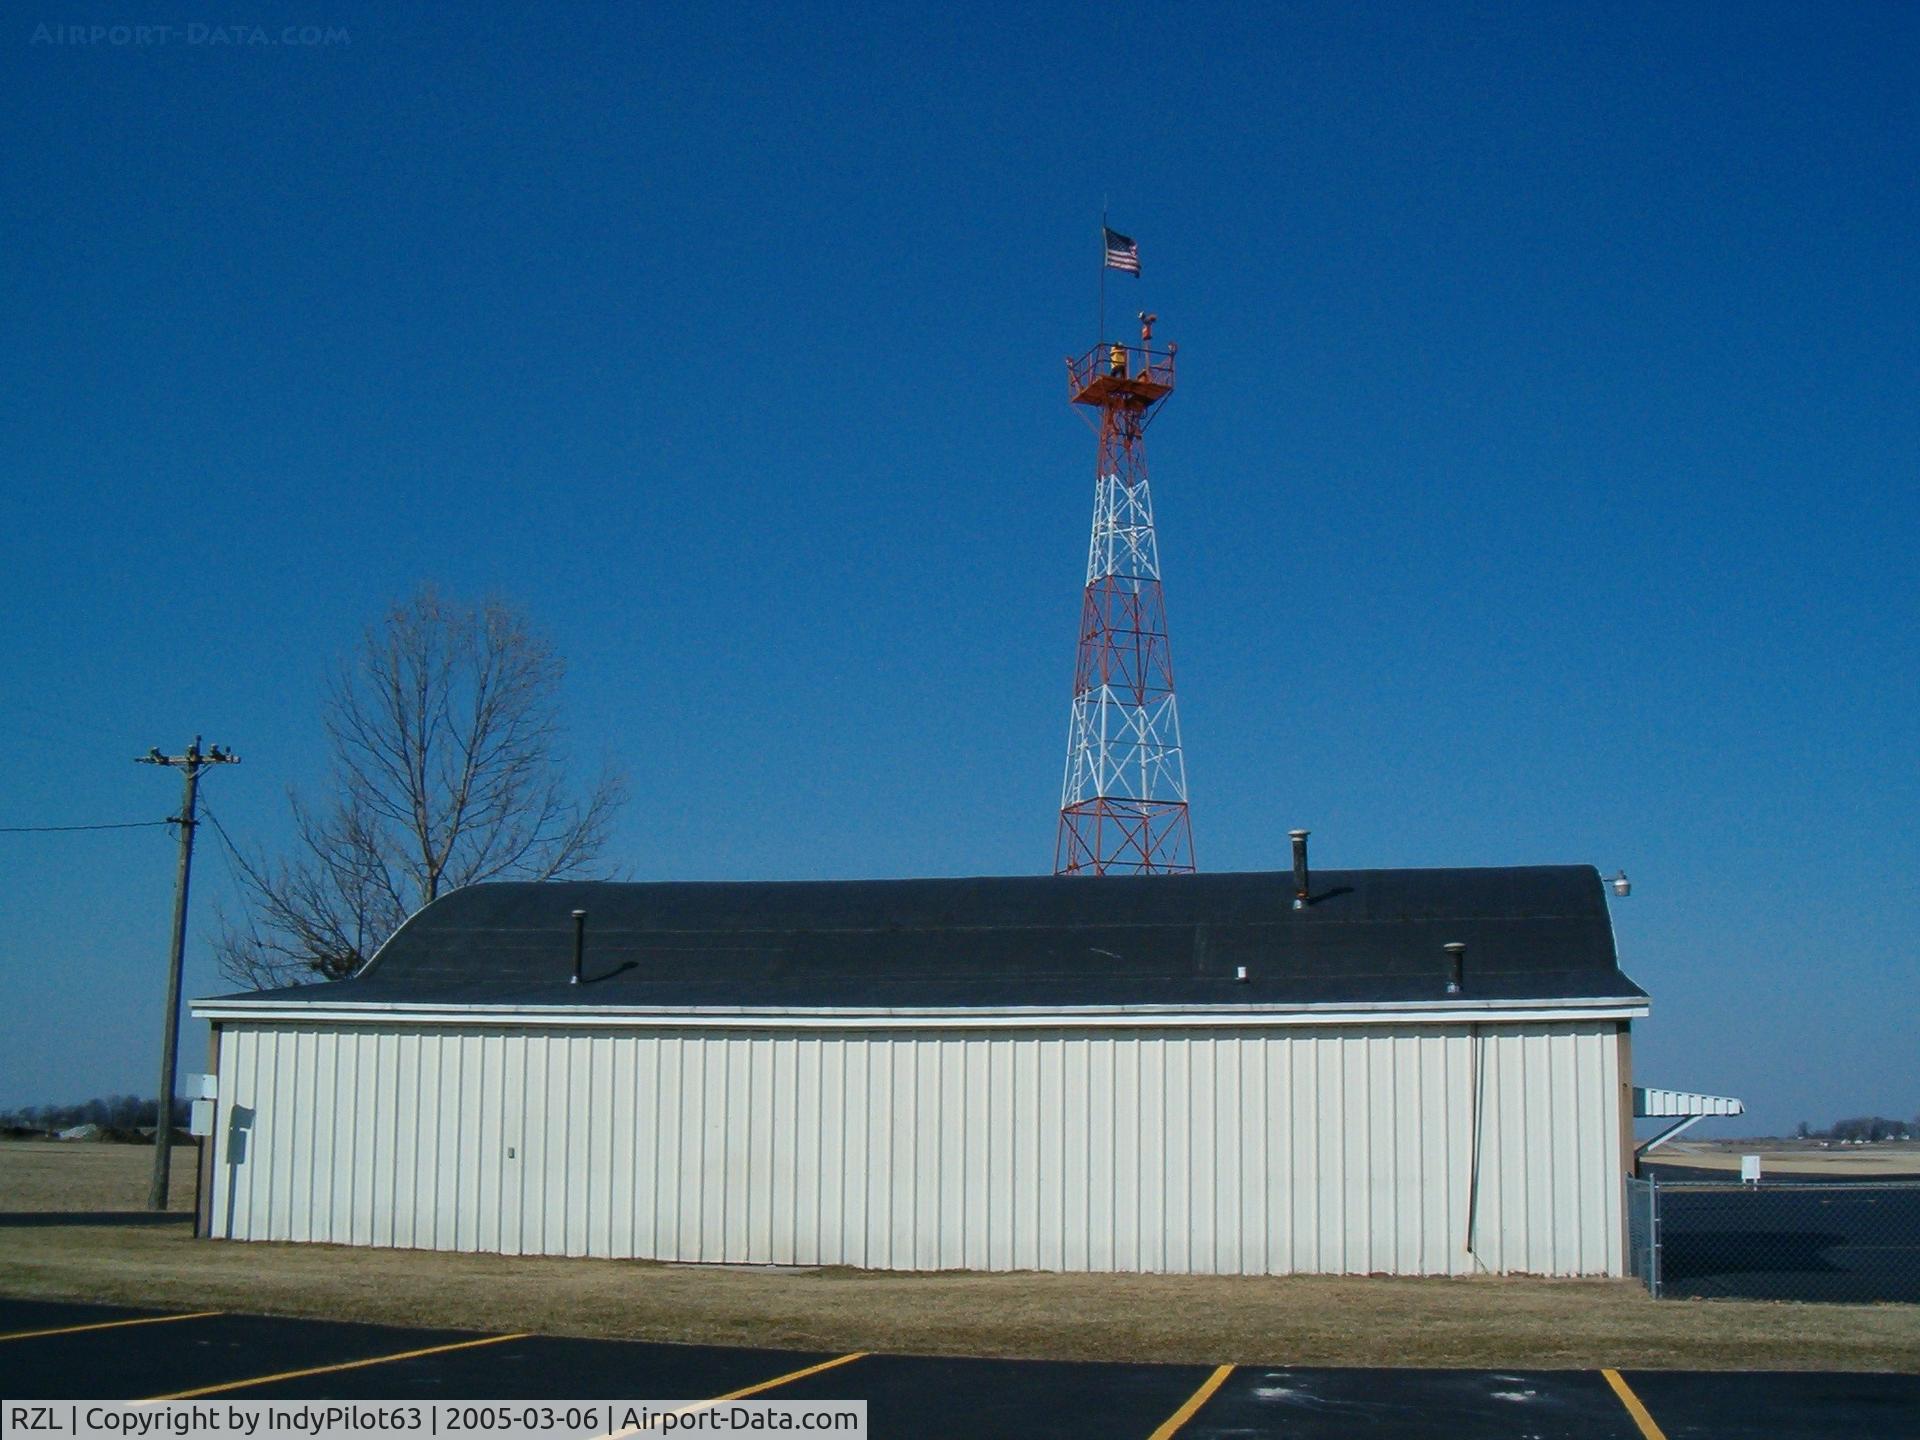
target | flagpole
[{"x": 1100, "y": 336}]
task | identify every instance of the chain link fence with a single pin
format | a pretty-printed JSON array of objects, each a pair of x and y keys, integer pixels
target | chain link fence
[{"x": 1847, "y": 1241}]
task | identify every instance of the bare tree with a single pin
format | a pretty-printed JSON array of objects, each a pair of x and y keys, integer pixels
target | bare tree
[{"x": 448, "y": 768}]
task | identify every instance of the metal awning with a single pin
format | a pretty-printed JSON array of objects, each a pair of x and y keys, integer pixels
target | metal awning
[{"x": 1683, "y": 1107}]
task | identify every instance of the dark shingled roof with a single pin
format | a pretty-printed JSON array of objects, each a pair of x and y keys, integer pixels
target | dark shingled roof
[{"x": 1539, "y": 933}]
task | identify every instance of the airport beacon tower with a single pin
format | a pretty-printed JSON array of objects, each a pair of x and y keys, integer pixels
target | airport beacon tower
[{"x": 1123, "y": 801}]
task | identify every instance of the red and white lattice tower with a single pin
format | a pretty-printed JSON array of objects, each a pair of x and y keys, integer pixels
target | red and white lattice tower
[{"x": 1123, "y": 804}]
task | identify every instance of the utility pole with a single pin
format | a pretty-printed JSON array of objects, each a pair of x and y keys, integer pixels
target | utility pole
[{"x": 191, "y": 763}]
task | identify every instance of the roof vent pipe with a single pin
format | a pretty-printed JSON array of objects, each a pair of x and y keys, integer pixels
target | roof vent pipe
[
  {"x": 1299, "y": 838},
  {"x": 1457, "y": 965},
  {"x": 579, "y": 943}
]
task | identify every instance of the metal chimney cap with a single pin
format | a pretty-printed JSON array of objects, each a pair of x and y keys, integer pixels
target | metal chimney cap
[
  {"x": 1298, "y": 834},
  {"x": 1455, "y": 947},
  {"x": 579, "y": 914}
]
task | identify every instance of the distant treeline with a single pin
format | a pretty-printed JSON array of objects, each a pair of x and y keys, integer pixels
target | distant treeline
[
  {"x": 1862, "y": 1127},
  {"x": 109, "y": 1112}
]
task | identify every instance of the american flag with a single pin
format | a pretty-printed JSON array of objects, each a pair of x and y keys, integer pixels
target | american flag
[{"x": 1122, "y": 253}]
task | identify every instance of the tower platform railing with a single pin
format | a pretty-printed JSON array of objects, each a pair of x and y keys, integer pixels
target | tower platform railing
[{"x": 1100, "y": 378}]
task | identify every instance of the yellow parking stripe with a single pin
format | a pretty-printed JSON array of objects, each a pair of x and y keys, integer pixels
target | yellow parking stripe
[
  {"x": 1634, "y": 1408},
  {"x": 775, "y": 1383},
  {"x": 786, "y": 1379},
  {"x": 329, "y": 1369},
  {"x": 108, "y": 1325},
  {"x": 1194, "y": 1401}
]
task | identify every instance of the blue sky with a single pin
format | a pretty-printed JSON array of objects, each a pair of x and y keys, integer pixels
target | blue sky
[{"x": 1541, "y": 487}]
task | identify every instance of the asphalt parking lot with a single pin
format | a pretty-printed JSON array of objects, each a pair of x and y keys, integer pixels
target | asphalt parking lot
[{"x": 55, "y": 1350}]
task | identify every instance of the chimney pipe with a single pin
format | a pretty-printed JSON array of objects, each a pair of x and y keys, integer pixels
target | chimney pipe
[
  {"x": 579, "y": 943},
  {"x": 1299, "y": 838},
  {"x": 1457, "y": 965}
]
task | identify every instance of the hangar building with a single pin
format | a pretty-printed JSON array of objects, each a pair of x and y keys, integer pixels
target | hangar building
[{"x": 1168, "y": 1073}]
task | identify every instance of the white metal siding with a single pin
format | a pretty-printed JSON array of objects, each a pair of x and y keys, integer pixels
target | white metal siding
[{"x": 1232, "y": 1151}]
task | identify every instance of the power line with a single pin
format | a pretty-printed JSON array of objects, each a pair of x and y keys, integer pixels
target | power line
[
  {"x": 238, "y": 870},
  {"x": 56, "y": 829},
  {"x": 225, "y": 839}
]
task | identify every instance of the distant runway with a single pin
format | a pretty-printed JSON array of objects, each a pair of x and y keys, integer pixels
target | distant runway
[{"x": 54, "y": 1350}]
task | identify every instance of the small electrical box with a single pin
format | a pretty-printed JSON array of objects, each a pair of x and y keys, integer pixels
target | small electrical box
[{"x": 200, "y": 1118}]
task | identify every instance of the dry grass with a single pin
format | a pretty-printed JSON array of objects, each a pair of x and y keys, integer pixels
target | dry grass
[
  {"x": 1304, "y": 1320},
  {"x": 1862, "y": 1162},
  {"x": 85, "y": 1175}
]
